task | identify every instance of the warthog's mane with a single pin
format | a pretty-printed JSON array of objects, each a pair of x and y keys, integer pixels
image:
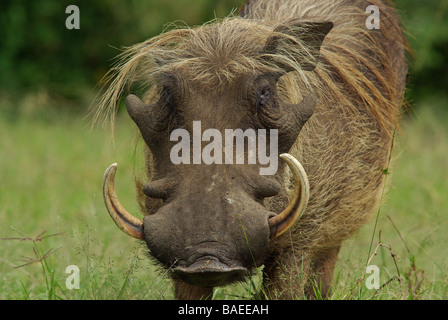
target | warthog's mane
[
  {"x": 221, "y": 50},
  {"x": 211, "y": 55}
]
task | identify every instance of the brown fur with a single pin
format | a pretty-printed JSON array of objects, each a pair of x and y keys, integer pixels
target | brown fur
[{"x": 344, "y": 147}]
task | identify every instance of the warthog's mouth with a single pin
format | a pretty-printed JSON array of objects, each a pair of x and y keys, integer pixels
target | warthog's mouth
[{"x": 209, "y": 272}]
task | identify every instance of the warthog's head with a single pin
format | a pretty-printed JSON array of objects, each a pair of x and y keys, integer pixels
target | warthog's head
[{"x": 205, "y": 218}]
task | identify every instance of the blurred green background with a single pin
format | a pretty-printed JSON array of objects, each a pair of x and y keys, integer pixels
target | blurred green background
[
  {"x": 39, "y": 54},
  {"x": 51, "y": 163}
]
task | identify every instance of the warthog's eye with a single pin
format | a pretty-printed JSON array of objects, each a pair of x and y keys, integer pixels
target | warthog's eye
[
  {"x": 169, "y": 90},
  {"x": 167, "y": 96},
  {"x": 169, "y": 100},
  {"x": 264, "y": 97},
  {"x": 264, "y": 93}
]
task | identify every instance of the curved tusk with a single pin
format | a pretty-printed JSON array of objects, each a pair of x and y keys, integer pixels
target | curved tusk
[
  {"x": 282, "y": 222},
  {"x": 125, "y": 221}
]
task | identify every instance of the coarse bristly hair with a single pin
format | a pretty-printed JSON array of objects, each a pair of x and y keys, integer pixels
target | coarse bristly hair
[
  {"x": 212, "y": 54},
  {"x": 224, "y": 49},
  {"x": 359, "y": 82}
]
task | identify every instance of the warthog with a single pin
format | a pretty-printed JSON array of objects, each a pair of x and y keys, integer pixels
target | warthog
[{"x": 309, "y": 69}]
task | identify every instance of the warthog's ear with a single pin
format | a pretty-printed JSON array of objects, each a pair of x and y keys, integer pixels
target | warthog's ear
[{"x": 296, "y": 41}]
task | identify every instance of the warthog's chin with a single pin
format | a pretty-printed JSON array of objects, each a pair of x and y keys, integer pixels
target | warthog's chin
[{"x": 209, "y": 272}]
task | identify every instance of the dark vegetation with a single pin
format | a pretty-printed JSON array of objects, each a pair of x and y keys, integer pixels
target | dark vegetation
[{"x": 38, "y": 53}]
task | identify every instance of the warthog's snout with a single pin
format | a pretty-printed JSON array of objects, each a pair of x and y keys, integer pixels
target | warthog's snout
[{"x": 212, "y": 237}]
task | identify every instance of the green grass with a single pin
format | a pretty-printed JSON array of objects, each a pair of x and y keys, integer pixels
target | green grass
[
  {"x": 51, "y": 173},
  {"x": 412, "y": 220}
]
